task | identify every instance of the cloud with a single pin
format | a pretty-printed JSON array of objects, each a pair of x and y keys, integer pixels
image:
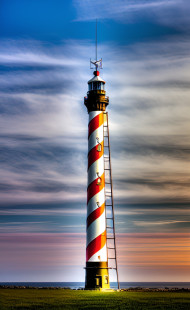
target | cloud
[
  {"x": 172, "y": 16},
  {"x": 43, "y": 142},
  {"x": 162, "y": 17},
  {"x": 153, "y": 256},
  {"x": 167, "y": 222},
  {"x": 123, "y": 10},
  {"x": 138, "y": 253},
  {"x": 44, "y": 132},
  {"x": 149, "y": 123},
  {"x": 39, "y": 212},
  {"x": 38, "y": 253},
  {"x": 45, "y": 167},
  {"x": 151, "y": 210}
]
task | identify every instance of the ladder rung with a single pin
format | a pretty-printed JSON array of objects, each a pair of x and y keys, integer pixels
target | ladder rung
[
  {"x": 107, "y": 169},
  {"x": 111, "y": 257},
  {"x": 107, "y": 183},
  {"x": 109, "y": 227},
  {"x": 110, "y": 238},
  {"x": 110, "y": 248},
  {"x": 109, "y": 218}
]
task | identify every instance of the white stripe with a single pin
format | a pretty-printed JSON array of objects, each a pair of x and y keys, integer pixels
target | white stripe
[
  {"x": 100, "y": 256},
  {"x": 96, "y": 228},
  {"x": 92, "y": 204},
  {"x": 92, "y": 141},
  {"x": 94, "y": 114},
  {"x": 97, "y": 166}
]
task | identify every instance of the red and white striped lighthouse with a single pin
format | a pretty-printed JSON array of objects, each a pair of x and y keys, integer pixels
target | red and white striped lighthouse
[{"x": 97, "y": 270}]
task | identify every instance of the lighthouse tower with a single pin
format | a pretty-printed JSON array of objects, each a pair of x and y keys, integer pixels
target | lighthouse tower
[{"x": 99, "y": 168}]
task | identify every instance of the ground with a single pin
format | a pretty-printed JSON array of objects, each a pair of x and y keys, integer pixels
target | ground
[{"x": 51, "y": 299}]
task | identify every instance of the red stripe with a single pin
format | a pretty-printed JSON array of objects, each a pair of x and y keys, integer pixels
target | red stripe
[
  {"x": 95, "y": 188},
  {"x": 95, "y": 214},
  {"x": 95, "y": 245},
  {"x": 96, "y": 122},
  {"x": 94, "y": 154}
]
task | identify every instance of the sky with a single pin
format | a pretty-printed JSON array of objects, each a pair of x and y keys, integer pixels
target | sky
[{"x": 45, "y": 50}]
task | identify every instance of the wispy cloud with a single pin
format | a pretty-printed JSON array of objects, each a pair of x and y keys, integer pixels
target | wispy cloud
[
  {"x": 123, "y": 10},
  {"x": 156, "y": 254},
  {"x": 138, "y": 254},
  {"x": 40, "y": 212},
  {"x": 151, "y": 211},
  {"x": 171, "y": 14},
  {"x": 36, "y": 253},
  {"x": 44, "y": 135},
  {"x": 167, "y": 222}
]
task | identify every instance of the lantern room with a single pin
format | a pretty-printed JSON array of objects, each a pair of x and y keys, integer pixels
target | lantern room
[
  {"x": 96, "y": 83},
  {"x": 96, "y": 99}
]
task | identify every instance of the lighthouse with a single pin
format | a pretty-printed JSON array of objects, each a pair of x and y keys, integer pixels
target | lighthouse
[{"x": 100, "y": 229}]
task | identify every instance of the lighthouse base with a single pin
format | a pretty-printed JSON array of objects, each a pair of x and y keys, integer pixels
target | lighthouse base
[{"x": 97, "y": 276}]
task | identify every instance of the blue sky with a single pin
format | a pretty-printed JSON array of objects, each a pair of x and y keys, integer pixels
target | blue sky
[{"x": 44, "y": 62}]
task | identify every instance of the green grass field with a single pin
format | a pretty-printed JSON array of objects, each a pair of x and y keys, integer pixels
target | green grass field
[{"x": 47, "y": 299}]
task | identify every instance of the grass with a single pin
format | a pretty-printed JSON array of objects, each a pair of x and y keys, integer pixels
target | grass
[{"x": 51, "y": 299}]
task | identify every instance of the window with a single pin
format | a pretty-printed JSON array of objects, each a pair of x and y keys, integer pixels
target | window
[
  {"x": 102, "y": 86},
  {"x": 97, "y": 281},
  {"x": 106, "y": 280},
  {"x": 99, "y": 148},
  {"x": 99, "y": 181},
  {"x": 96, "y": 86}
]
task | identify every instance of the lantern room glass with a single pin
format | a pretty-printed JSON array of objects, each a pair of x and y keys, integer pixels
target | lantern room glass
[{"x": 96, "y": 86}]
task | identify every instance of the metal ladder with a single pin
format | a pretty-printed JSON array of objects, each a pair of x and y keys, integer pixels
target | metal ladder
[{"x": 109, "y": 203}]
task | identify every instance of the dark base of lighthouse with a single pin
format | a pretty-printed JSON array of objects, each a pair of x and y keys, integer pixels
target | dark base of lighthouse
[{"x": 97, "y": 276}]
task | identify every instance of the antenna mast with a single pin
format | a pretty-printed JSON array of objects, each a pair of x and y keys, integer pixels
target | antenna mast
[
  {"x": 97, "y": 63},
  {"x": 96, "y": 43}
]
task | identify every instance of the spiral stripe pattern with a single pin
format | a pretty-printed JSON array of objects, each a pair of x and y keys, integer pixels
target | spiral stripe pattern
[{"x": 96, "y": 250}]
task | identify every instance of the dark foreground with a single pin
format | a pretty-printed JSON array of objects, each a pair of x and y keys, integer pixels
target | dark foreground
[{"x": 46, "y": 299}]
